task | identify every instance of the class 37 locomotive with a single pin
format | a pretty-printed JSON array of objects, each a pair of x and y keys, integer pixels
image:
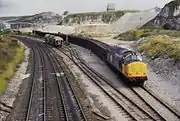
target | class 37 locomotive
[{"x": 128, "y": 63}]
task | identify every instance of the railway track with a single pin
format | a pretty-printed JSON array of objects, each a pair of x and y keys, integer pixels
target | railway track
[
  {"x": 118, "y": 99},
  {"x": 71, "y": 108},
  {"x": 163, "y": 103},
  {"x": 157, "y": 104},
  {"x": 139, "y": 92},
  {"x": 36, "y": 105},
  {"x": 137, "y": 110},
  {"x": 51, "y": 97}
]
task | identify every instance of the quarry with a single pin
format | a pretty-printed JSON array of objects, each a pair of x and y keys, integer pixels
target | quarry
[{"x": 73, "y": 81}]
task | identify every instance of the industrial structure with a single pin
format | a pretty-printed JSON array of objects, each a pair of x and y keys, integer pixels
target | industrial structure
[
  {"x": 111, "y": 7},
  {"x": 20, "y": 25},
  {"x": 4, "y": 26}
]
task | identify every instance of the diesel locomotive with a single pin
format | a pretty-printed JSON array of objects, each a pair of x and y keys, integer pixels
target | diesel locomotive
[
  {"x": 53, "y": 40},
  {"x": 128, "y": 63}
]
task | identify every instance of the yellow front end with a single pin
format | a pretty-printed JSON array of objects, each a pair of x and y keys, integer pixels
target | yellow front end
[{"x": 136, "y": 70}]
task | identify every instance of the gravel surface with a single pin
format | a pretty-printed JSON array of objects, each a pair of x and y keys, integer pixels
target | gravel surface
[
  {"x": 163, "y": 79},
  {"x": 96, "y": 95},
  {"x": 110, "y": 41},
  {"x": 91, "y": 28},
  {"x": 167, "y": 90},
  {"x": 163, "y": 75},
  {"x": 11, "y": 92},
  {"x": 57, "y": 28},
  {"x": 26, "y": 29},
  {"x": 88, "y": 105},
  {"x": 103, "y": 69}
]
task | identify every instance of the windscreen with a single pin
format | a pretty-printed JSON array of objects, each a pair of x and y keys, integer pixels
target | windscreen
[{"x": 131, "y": 58}]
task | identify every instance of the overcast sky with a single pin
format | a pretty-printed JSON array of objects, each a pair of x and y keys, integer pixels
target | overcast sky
[{"x": 24, "y": 7}]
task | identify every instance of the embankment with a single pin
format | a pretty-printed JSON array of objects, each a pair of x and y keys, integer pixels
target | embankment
[{"x": 11, "y": 54}]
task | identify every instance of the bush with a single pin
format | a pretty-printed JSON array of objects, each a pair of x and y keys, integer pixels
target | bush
[
  {"x": 128, "y": 36},
  {"x": 136, "y": 34},
  {"x": 10, "y": 58},
  {"x": 159, "y": 46},
  {"x": 5, "y": 32}
]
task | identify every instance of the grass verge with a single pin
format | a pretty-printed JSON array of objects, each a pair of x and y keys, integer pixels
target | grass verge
[
  {"x": 10, "y": 66},
  {"x": 157, "y": 46},
  {"x": 136, "y": 34},
  {"x": 91, "y": 35}
]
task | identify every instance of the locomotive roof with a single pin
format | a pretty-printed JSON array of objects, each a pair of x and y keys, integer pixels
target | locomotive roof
[
  {"x": 53, "y": 36},
  {"x": 120, "y": 50},
  {"x": 47, "y": 35},
  {"x": 57, "y": 37}
]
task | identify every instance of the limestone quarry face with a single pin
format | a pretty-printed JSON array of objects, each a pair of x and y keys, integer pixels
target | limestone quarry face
[
  {"x": 83, "y": 20},
  {"x": 41, "y": 18},
  {"x": 169, "y": 15},
  {"x": 92, "y": 18},
  {"x": 131, "y": 21}
]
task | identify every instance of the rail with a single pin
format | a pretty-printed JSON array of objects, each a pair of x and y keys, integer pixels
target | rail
[
  {"x": 95, "y": 76},
  {"x": 63, "y": 89}
]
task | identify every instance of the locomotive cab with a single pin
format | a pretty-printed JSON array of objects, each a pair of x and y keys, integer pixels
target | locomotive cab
[
  {"x": 56, "y": 42},
  {"x": 128, "y": 63},
  {"x": 134, "y": 69},
  {"x": 130, "y": 58}
]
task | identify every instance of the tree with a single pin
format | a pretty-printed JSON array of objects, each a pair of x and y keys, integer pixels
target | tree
[
  {"x": 167, "y": 26},
  {"x": 65, "y": 12}
]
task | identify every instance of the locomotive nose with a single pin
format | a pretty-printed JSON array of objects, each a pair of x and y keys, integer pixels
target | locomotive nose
[{"x": 137, "y": 69}]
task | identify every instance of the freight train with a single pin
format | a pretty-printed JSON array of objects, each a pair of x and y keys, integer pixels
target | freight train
[
  {"x": 53, "y": 40},
  {"x": 127, "y": 63}
]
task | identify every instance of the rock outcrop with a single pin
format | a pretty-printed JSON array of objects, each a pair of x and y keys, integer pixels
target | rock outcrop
[
  {"x": 41, "y": 18},
  {"x": 93, "y": 17},
  {"x": 169, "y": 16}
]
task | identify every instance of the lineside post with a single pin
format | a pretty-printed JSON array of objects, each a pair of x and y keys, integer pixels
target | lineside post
[{"x": 66, "y": 41}]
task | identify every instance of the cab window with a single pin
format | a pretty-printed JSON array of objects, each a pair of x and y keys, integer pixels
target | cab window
[
  {"x": 134, "y": 58},
  {"x": 131, "y": 58},
  {"x": 57, "y": 42}
]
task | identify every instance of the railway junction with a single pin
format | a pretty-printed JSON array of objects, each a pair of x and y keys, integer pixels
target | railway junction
[{"x": 72, "y": 83}]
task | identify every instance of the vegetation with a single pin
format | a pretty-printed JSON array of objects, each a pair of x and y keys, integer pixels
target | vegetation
[
  {"x": 136, "y": 34},
  {"x": 91, "y": 35},
  {"x": 158, "y": 42},
  {"x": 82, "y": 34},
  {"x": 157, "y": 46},
  {"x": 106, "y": 16},
  {"x": 40, "y": 17},
  {"x": 65, "y": 12},
  {"x": 8, "y": 18},
  {"x": 100, "y": 13},
  {"x": 5, "y": 32},
  {"x": 11, "y": 54},
  {"x": 27, "y": 33}
]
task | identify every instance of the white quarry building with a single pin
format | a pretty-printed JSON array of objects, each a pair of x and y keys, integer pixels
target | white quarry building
[{"x": 4, "y": 26}]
